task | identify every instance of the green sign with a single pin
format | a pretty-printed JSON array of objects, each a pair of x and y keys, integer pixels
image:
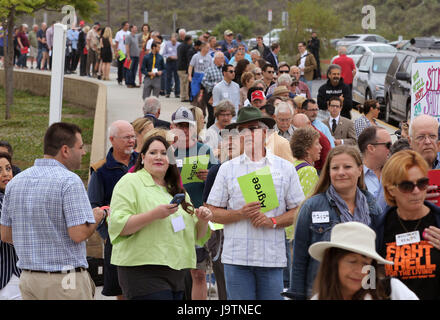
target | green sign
[
  {"x": 258, "y": 186},
  {"x": 121, "y": 55},
  {"x": 190, "y": 167}
]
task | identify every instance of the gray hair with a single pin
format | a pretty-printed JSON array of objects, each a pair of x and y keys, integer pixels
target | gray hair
[
  {"x": 113, "y": 130},
  {"x": 284, "y": 79},
  {"x": 283, "y": 107},
  {"x": 182, "y": 31},
  {"x": 255, "y": 51},
  {"x": 333, "y": 66},
  {"x": 151, "y": 105},
  {"x": 425, "y": 119},
  {"x": 224, "y": 105},
  {"x": 342, "y": 50},
  {"x": 219, "y": 54}
]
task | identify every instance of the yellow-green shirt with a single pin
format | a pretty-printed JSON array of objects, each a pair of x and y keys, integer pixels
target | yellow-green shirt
[
  {"x": 308, "y": 178},
  {"x": 156, "y": 243}
]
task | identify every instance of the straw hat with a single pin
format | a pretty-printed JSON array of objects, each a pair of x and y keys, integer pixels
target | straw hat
[
  {"x": 280, "y": 90},
  {"x": 351, "y": 236}
]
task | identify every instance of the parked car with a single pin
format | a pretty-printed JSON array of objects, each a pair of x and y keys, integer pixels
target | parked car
[
  {"x": 268, "y": 38},
  {"x": 398, "y": 82},
  {"x": 356, "y": 51},
  {"x": 360, "y": 38},
  {"x": 422, "y": 43},
  {"x": 369, "y": 80}
]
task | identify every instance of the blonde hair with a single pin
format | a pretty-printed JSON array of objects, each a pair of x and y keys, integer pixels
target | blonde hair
[
  {"x": 107, "y": 33},
  {"x": 324, "y": 179},
  {"x": 140, "y": 124},
  {"x": 396, "y": 170}
]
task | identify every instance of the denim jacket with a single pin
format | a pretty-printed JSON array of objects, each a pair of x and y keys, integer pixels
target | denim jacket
[{"x": 305, "y": 268}]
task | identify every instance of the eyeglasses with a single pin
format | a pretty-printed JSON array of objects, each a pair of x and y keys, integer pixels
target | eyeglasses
[
  {"x": 409, "y": 186},
  {"x": 386, "y": 144},
  {"x": 225, "y": 115},
  {"x": 127, "y": 138},
  {"x": 231, "y": 71},
  {"x": 431, "y": 137},
  {"x": 313, "y": 110},
  {"x": 269, "y": 71},
  {"x": 334, "y": 106},
  {"x": 284, "y": 71}
]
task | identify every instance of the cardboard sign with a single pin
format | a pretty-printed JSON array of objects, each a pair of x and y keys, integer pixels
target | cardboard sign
[
  {"x": 425, "y": 89},
  {"x": 259, "y": 186},
  {"x": 190, "y": 167}
]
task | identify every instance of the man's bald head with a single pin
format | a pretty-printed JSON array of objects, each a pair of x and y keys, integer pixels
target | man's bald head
[
  {"x": 342, "y": 50},
  {"x": 300, "y": 120},
  {"x": 118, "y": 126},
  {"x": 122, "y": 137},
  {"x": 423, "y": 137}
]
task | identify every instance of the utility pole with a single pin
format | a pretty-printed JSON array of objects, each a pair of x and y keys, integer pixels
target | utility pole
[
  {"x": 128, "y": 11},
  {"x": 108, "y": 13}
]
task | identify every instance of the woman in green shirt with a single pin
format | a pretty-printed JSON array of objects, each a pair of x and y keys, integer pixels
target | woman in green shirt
[{"x": 153, "y": 240}]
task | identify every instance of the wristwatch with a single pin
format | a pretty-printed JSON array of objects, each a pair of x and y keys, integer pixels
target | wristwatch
[{"x": 274, "y": 223}]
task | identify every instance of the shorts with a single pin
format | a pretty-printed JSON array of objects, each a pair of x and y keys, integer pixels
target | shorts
[
  {"x": 202, "y": 259},
  {"x": 33, "y": 52}
]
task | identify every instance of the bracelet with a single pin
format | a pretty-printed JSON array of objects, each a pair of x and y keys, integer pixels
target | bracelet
[{"x": 274, "y": 223}]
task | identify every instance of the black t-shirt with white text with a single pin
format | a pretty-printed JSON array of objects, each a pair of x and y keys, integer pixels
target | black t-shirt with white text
[{"x": 417, "y": 265}]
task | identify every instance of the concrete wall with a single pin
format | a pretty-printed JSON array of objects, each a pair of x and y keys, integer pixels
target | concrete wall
[{"x": 81, "y": 91}]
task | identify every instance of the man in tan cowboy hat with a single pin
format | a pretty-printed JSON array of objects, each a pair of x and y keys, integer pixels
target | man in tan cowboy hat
[{"x": 254, "y": 242}]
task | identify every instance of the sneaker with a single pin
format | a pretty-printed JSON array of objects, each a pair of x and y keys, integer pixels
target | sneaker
[
  {"x": 168, "y": 95},
  {"x": 177, "y": 96},
  {"x": 130, "y": 86}
]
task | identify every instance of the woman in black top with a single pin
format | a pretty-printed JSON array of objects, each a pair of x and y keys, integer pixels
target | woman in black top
[
  {"x": 408, "y": 234},
  {"x": 9, "y": 273},
  {"x": 106, "y": 53}
]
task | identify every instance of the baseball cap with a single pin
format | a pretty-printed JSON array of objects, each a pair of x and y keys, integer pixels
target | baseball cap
[
  {"x": 82, "y": 23},
  {"x": 228, "y": 32},
  {"x": 183, "y": 114},
  {"x": 258, "y": 95}
]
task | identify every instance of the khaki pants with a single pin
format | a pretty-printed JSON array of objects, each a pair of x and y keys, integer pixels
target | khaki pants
[
  {"x": 184, "y": 84},
  {"x": 56, "y": 286}
]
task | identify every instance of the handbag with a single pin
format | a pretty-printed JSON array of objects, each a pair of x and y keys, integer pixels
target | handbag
[
  {"x": 127, "y": 63},
  {"x": 24, "y": 50},
  {"x": 85, "y": 51}
]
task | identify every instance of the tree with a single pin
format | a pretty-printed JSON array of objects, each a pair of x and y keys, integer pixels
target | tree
[
  {"x": 10, "y": 9},
  {"x": 305, "y": 16},
  {"x": 238, "y": 24}
]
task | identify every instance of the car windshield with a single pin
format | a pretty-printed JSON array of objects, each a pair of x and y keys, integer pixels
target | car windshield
[
  {"x": 383, "y": 49},
  {"x": 381, "y": 65},
  {"x": 350, "y": 38}
]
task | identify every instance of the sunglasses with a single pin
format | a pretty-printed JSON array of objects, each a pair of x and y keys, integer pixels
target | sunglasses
[
  {"x": 269, "y": 71},
  {"x": 258, "y": 74},
  {"x": 386, "y": 144},
  {"x": 284, "y": 71},
  {"x": 409, "y": 186},
  {"x": 231, "y": 71}
]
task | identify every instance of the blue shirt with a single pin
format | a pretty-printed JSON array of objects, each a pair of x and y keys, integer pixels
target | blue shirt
[
  {"x": 40, "y": 204},
  {"x": 325, "y": 130},
  {"x": 374, "y": 186},
  {"x": 72, "y": 35},
  {"x": 170, "y": 50}
]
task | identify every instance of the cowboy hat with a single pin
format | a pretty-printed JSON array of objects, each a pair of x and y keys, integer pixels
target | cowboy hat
[
  {"x": 249, "y": 114},
  {"x": 280, "y": 90},
  {"x": 351, "y": 236}
]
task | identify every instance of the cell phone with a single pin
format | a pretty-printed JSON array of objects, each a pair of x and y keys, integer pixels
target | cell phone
[{"x": 178, "y": 198}]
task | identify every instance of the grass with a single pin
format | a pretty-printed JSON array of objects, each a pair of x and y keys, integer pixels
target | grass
[{"x": 29, "y": 121}]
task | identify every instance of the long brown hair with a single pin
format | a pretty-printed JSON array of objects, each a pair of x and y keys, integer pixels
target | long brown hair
[
  {"x": 172, "y": 176},
  {"x": 328, "y": 286},
  {"x": 324, "y": 179}
]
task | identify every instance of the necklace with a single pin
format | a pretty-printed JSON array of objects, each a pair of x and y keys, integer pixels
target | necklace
[{"x": 404, "y": 228}]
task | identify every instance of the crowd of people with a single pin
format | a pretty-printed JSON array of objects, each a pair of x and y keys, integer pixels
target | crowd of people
[{"x": 283, "y": 195}]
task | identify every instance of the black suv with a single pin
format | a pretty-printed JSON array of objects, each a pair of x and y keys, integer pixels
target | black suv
[{"x": 397, "y": 88}]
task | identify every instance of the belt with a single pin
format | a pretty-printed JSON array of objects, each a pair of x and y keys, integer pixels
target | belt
[{"x": 79, "y": 269}]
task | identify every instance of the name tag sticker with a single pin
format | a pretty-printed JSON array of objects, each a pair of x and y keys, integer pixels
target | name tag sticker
[
  {"x": 178, "y": 224},
  {"x": 211, "y": 226},
  {"x": 225, "y": 95},
  {"x": 179, "y": 163},
  {"x": 154, "y": 70},
  {"x": 407, "y": 238},
  {"x": 320, "y": 217},
  {"x": 201, "y": 61}
]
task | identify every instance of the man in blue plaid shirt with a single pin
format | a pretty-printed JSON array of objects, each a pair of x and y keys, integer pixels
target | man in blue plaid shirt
[
  {"x": 47, "y": 216},
  {"x": 213, "y": 75}
]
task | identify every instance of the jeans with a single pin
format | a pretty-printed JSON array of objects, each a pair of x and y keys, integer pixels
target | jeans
[
  {"x": 39, "y": 58},
  {"x": 171, "y": 71},
  {"x": 253, "y": 283},
  {"x": 286, "y": 270},
  {"x": 130, "y": 77},
  {"x": 22, "y": 59}
]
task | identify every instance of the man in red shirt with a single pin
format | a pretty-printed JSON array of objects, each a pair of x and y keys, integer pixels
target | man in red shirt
[
  {"x": 300, "y": 120},
  {"x": 347, "y": 65}
]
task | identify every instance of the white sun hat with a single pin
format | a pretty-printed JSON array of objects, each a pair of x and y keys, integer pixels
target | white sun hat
[{"x": 351, "y": 236}]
